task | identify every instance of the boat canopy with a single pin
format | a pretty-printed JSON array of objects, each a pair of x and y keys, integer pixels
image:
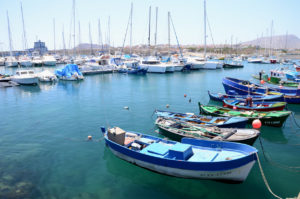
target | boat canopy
[{"x": 68, "y": 71}]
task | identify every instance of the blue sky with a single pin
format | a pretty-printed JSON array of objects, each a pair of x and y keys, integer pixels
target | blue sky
[{"x": 244, "y": 19}]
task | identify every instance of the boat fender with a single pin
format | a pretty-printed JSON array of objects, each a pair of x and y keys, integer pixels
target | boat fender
[
  {"x": 190, "y": 100},
  {"x": 256, "y": 124},
  {"x": 234, "y": 108},
  {"x": 184, "y": 95}
]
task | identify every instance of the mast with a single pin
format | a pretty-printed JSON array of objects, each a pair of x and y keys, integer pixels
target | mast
[
  {"x": 204, "y": 29},
  {"x": 131, "y": 28},
  {"x": 54, "y": 35},
  {"x": 9, "y": 35},
  {"x": 100, "y": 35},
  {"x": 109, "y": 34},
  {"x": 79, "y": 38},
  {"x": 74, "y": 51},
  {"x": 175, "y": 35},
  {"x": 63, "y": 37},
  {"x": 149, "y": 29},
  {"x": 24, "y": 32},
  {"x": 169, "y": 39},
  {"x": 286, "y": 36},
  {"x": 271, "y": 33},
  {"x": 91, "y": 42},
  {"x": 155, "y": 35}
]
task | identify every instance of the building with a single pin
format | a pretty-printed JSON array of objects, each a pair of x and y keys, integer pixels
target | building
[{"x": 39, "y": 48}]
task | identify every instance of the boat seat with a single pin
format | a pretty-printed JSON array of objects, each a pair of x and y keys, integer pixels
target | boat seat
[{"x": 156, "y": 149}]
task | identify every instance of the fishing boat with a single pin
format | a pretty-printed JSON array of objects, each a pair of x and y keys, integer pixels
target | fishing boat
[
  {"x": 222, "y": 122},
  {"x": 221, "y": 96},
  {"x": 177, "y": 130},
  {"x": 190, "y": 158},
  {"x": 70, "y": 73},
  {"x": 272, "y": 118},
  {"x": 297, "y": 67},
  {"x": 276, "y": 81},
  {"x": 250, "y": 105}
]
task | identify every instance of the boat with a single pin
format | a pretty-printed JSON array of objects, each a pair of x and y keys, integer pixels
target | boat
[
  {"x": 70, "y": 73},
  {"x": 244, "y": 87},
  {"x": 271, "y": 118},
  {"x": 221, "y": 96},
  {"x": 222, "y": 122},
  {"x": 92, "y": 67},
  {"x": 2, "y": 61},
  {"x": 11, "y": 62},
  {"x": 47, "y": 76},
  {"x": 190, "y": 158},
  {"x": 37, "y": 61},
  {"x": 297, "y": 67},
  {"x": 255, "y": 60},
  {"x": 25, "y": 77},
  {"x": 248, "y": 104},
  {"x": 233, "y": 64},
  {"x": 196, "y": 62},
  {"x": 176, "y": 130},
  {"x": 25, "y": 61},
  {"x": 293, "y": 76},
  {"x": 49, "y": 60},
  {"x": 153, "y": 65},
  {"x": 276, "y": 81}
]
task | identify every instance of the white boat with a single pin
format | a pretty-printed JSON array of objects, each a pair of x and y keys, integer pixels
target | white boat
[
  {"x": 25, "y": 61},
  {"x": 49, "y": 60},
  {"x": 212, "y": 65},
  {"x": 25, "y": 77},
  {"x": 254, "y": 60},
  {"x": 37, "y": 61},
  {"x": 92, "y": 67},
  {"x": 153, "y": 65},
  {"x": 196, "y": 62},
  {"x": 47, "y": 76},
  {"x": 11, "y": 62}
]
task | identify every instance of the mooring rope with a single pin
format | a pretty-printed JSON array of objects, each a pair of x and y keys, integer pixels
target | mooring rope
[
  {"x": 265, "y": 179},
  {"x": 289, "y": 168}
]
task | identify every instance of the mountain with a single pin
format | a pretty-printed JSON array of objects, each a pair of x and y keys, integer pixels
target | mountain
[
  {"x": 86, "y": 46},
  {"x": 278, "y": 42}
]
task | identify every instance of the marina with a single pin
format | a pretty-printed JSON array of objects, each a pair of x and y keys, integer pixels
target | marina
[{"x": 122, "y": 116}]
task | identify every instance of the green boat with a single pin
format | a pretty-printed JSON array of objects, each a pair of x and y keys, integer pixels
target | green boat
[
  {"x": 272, "y": 118},
  {"x": 276, "y": 81}
]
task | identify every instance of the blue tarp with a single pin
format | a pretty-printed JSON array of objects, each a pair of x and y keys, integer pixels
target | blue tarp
[{"x": 68, "y": 71}]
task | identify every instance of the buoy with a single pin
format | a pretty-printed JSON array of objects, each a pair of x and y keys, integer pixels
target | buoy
[
  {"x": 269, "y": 78},
  {"x": 280, "y": 86},
  {"x": 262, "y": 81},
  {"x": 190, "y": 100},
  {"x": 234, "y": 108},
  {"x": 184, "y": 95},
  {"x": 167, "y": 106},
  {"x": 89, "y": 137},
  {"x": 256, "y": 124},
  {"x": 126, "y": 107}
]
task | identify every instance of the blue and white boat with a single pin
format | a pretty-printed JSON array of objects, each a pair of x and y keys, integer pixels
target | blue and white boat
[
  {"x": 70, "y": 72},
  {"x": 190, "y": 158}
]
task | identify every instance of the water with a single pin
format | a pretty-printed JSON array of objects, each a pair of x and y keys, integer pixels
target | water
[{"x": 43, "y": 131}]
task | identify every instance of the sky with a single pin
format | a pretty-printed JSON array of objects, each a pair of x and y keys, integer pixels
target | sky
[{"x": 237, "y": 20}]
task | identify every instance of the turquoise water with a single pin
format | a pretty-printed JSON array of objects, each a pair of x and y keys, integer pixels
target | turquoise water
[{"x": 43, "y": 131}]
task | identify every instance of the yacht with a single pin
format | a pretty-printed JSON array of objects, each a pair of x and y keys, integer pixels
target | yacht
[
  {"x": 212, "y": 65},
  {"x": 2, "y": 61},
  {"x": 25, "y": 61},
  {"x": 37, "y": 61},
  {"x": 11, "y": 62},
  {"x": 47, "y": 76},
  {"x": 49, "y": 60},
  {"x": 25, "y": 77},
  {"x": 196, "y": 62},
  {"x": 255, "y": 60},
  {"x": 153, "y": 65}
]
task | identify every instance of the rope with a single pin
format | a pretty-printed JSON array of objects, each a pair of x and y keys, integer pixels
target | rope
[
  {"x": 289, "y": 168},
  {"x": 264, "y": 178}
]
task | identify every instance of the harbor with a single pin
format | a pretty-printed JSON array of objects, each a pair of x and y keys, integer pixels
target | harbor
[{"x": 152, "y": 120}]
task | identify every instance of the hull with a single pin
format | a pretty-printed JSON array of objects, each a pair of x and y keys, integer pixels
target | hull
[
  {"x": 49, "y": 63},
  {"x": 26, "y": 81},
  {"x": 163, "y": 166},
  {"x": 197, "y": 66},
  {"x": 26, "y": 64},
  {"x": 11, "y": 64},
  {"x": 232, "y": 66},
  {"x": 178, "y": 68},
  {"x": 178, "y": 137},
  {"x": 156, "y": 69}
]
